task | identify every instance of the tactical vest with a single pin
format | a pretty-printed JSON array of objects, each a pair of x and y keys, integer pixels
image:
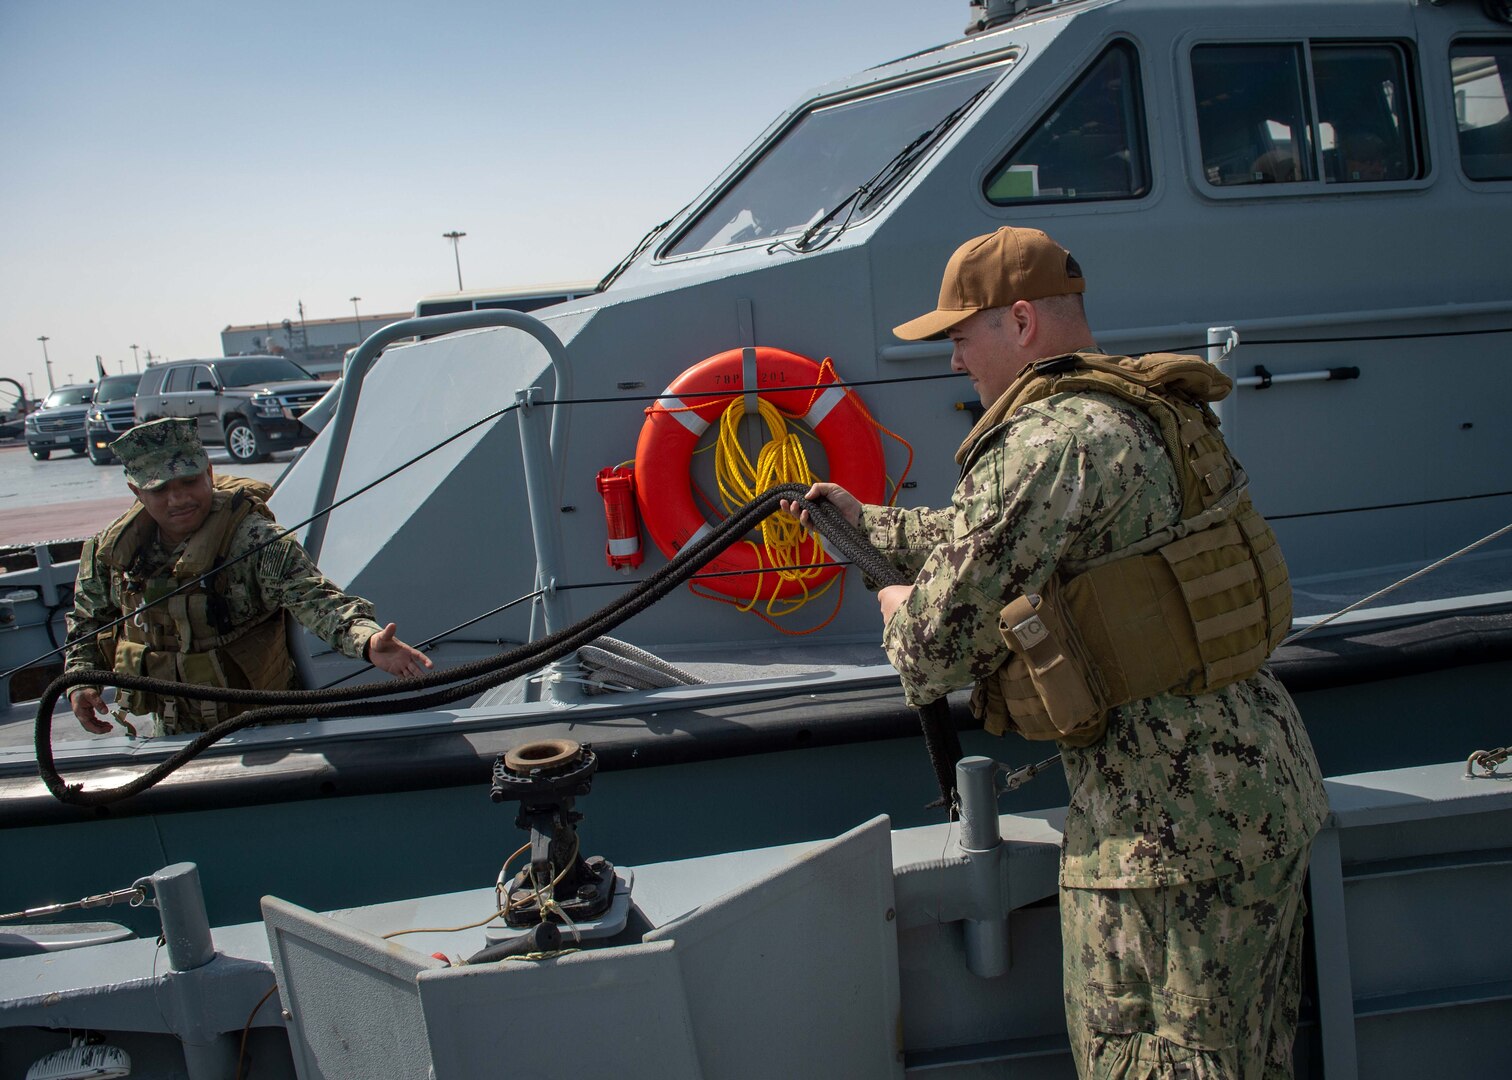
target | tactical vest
[
  {"x": 190, "y": 638},
  {"x": 1188, "y": 610}
]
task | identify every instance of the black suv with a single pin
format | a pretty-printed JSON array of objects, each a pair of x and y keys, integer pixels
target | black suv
[
  {"x": 59, "y": 423},
  {"x": 251, "y": 404},
  {"x": 111, "y": 414}
]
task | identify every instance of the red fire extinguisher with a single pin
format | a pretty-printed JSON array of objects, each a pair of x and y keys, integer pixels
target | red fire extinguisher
[{"x": 617, "y": 486}]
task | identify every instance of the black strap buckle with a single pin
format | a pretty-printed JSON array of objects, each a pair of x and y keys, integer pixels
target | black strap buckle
[{"x": 1057, "y": 365}]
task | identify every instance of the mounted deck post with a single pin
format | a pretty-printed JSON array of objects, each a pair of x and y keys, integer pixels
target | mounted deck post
[
  {"x": 208, "y": 1054},
  {"x": 981, "y": 842}
]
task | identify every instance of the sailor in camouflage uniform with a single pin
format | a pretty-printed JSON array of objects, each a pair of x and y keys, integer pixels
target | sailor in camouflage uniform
[
  {"x": 227, "y": 630},
  {"x": 1191, "y": 815}
]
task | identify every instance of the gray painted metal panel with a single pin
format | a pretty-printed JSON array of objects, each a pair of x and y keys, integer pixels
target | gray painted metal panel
[
  {"x": 796, "y": 973},
  {"x": 355, "y": 1009},
  {"x": 525, "y": 1019}
]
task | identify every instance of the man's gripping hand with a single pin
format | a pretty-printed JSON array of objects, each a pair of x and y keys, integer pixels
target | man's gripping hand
[{"x": 842, "y": 500}]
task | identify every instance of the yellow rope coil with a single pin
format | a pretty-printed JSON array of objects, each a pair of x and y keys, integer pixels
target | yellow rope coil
[{"x": 780, "y": 461}]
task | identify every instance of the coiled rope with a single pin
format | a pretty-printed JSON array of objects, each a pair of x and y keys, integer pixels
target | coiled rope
[
  {"x": 788, "y": 546},
  {"x": 468, "y": 680}
]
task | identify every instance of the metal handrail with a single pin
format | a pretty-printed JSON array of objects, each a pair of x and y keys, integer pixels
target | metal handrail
[{"x": 361, "y": 361}]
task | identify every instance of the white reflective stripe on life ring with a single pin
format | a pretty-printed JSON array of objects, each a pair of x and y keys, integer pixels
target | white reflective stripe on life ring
[
  {"x": 822, "y": 406},
  {"x": 685, "y": 416},
  {"x": 698, "y": 534}
]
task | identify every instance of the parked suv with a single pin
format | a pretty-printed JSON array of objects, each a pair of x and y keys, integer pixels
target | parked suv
[
  {"x": 111, "y": 414},
  {"x": 59, "y": 423},
  {"x": 250, "y": 404}
]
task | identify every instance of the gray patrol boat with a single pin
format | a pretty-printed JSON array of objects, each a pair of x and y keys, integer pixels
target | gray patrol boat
[{"x": 1315, "y": 196}]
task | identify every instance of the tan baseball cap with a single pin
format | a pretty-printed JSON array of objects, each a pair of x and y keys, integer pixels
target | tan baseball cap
[{"x": 997, "y": 270}]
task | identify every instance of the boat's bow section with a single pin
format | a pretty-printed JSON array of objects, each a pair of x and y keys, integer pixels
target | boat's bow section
[{"x": 929, "y": 951}]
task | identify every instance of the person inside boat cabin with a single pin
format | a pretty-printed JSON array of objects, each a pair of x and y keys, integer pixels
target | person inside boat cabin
[
  {"x": 1103, "y": 580},
  {"x": 229, "y": 629}
]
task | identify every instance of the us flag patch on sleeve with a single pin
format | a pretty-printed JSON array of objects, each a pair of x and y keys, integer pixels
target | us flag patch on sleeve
[{"x": 274, "y": 560}]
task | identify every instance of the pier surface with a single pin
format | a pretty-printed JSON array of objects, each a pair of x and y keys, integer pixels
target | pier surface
[{"x": 69, "y": 497}]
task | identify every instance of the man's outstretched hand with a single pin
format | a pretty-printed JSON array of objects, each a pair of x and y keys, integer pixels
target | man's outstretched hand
[{"x": 386, "y": 652}]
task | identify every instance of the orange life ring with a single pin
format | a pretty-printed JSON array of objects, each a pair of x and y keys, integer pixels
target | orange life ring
[{"x": 695, "y": 400}]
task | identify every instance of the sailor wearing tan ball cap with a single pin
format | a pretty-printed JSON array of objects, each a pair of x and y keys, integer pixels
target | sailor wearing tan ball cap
[{"x": 1101, "y": 579}]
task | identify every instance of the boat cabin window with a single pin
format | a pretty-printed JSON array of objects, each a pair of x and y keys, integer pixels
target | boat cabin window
[
  {"x": 1482, "y": 74},
  {"x": 1276, "y": 114},
  {"x": 1091, "y": 144},
  {"x": 820, "y": 161}
]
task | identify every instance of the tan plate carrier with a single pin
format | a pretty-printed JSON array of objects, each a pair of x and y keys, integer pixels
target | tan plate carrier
[{"x": 1188, "y": 610}]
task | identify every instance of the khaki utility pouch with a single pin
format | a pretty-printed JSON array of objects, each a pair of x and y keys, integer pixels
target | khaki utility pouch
[
  {"x": 1050, "y": 687},
  {"x": 130, "y": 658},
  {"x": 105, "y": 641}
]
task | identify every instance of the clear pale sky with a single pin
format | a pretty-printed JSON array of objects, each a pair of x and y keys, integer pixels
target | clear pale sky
[{"x": 170, "y": 168}]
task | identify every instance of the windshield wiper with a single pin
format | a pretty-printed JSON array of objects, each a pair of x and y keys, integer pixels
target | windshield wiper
[
  {"x": 624, "y": 264},
  {"x": 881, "y": 182}
]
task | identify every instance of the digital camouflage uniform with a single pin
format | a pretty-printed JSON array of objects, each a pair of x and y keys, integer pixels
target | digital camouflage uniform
[
  {"x": 1190, "y": 821},
  {"x": 279, "y": 578}
]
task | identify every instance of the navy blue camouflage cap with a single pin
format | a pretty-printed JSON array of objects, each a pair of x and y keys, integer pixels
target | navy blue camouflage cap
[{"x": 160, "y": 451}]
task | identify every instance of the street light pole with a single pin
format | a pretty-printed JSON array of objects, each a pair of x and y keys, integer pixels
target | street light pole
[
  {"x": 44, "y": 339},
  {"x": 135, "y": 359},
  {"x": 359, "y": 318},
  {"x": 454, "y": 236}
]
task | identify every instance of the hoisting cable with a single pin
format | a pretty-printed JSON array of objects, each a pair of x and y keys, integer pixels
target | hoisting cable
[{"x": 468, "y": 680}]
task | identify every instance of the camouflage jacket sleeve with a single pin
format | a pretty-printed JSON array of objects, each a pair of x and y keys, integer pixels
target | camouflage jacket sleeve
[
  {"x": 1029, "y": 495},
  {"x": 288, "y": 578},
  {"x": 905, "y": 537},
  {"x": 93, "y": 608}
]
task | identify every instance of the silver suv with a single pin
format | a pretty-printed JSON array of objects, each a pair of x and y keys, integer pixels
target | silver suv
[
  {"x": 250, "y": 404},
  {"x": 59, "y": 423}
]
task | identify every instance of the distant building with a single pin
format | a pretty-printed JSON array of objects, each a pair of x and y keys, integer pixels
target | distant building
[{"x": 317, "y": 345}]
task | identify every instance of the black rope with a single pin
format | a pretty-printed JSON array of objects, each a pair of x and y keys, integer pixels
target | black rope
[{"x": 468, "y": 680}]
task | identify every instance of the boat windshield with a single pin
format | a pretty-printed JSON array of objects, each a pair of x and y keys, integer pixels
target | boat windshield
[
  {"x": 273, "y": 369},
  {"x": 823, "y": 158}
]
